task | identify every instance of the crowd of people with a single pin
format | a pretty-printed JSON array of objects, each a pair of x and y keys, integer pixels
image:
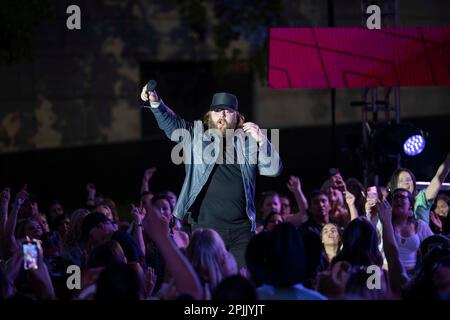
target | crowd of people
[{"x": 325, "y": 244}]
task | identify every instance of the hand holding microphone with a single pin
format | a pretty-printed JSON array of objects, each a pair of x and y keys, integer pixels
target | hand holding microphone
[{"x": 149, "y": 93}]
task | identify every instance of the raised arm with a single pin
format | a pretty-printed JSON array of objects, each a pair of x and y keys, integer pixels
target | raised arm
[
  {"x": 5, "y": 196},
  {"x": 350, "y": 200},
  {"x": 40, "y": 278},
  {"x": 397, "y": 273},
  {"x": 4, "y": 206},
  {"x": 90, "y": 201},
  {"x": 148, "y": 174},
  {"x": 424, "y": 200},
  {"x": 138, "y": 214},
  {"x": 167, "y": 120},
  {"x": 295, "y": 187},
  {"x": 185, "y": 278},
  {"x": 9, "y": 237},
  {"x": 442, "y": 172},
  {"x": 339, "y": 183}
]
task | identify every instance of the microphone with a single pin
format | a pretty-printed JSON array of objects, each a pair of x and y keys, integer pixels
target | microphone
[{"x": 151, "y": 85}]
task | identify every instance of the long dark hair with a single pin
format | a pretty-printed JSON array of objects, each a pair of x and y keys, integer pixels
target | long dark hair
[
  {"x": 277, "y": 258},
  {"x": 270, "y": 215},
  {"x": 163, "y": 196},
  {"x": 360, "y": 244},
  {"x": 411, "y": 199},
  {"x": 118, "y": 281},
  {"x": 423, "y": 285},
  {"x": 393, "y": 182},
  {"x": 446, "y": 222},
  {"x": 358, "y": 190}
]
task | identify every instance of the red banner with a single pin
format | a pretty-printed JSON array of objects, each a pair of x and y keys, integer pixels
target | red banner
[{"x": 358, "y": 57}]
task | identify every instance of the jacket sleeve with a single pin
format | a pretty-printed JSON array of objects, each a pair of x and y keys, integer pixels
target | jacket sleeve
[
  {"x": 169, "y": 121},
  {"x": 269, "y": 161}
]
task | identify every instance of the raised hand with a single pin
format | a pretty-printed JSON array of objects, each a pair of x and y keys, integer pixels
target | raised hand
[
  {"x": 338, "y": 182},
  {"x": 148, "y": 174},
  {"x": 349, "y": 198},
  {"x": 370, "y": 205},
  {"x": 154, "y": 224},
  {"x": 294, "y": 184},
  {"x": 253, "y": 130},
  {"x": 144, "y": 94},
  {"x": 21, "y": 196},
  {"x": 5, "y": 196},
  {"x": 40, "y": 277},
  {"x": 153, "y": 97},
  {"x": 138, "y": 213},
  {"x": 385, "y": 212},
  {"x": 90, "y": 188}
]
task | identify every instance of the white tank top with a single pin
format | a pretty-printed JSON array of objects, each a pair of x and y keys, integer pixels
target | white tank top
[{"x": 407, "y": 249}]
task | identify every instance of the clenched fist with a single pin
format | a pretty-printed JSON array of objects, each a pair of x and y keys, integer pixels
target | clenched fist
[
  {"x": 253, "y": 130},
  {"x": 153, "y": 97}
]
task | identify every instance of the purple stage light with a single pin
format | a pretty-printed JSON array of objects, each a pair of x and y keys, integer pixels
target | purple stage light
[{"x": 414, "y": 145}]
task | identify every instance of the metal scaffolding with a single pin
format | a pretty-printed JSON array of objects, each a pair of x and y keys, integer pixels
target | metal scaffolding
[{"x": 378, "y": 101}]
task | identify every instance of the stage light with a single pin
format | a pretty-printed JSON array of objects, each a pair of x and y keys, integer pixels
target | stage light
[
  {"x": 414, "y": 145},
  {"x": 391, "y": 139}
]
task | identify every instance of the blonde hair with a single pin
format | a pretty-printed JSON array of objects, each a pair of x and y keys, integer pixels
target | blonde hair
[
  {"x": 240, "y": 120},
  {"x": 76, "y": 219},
  {"x": 207, "y": 253}
]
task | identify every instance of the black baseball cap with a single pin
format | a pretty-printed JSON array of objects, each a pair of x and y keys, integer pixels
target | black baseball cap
[
  {"x": 224, "y": 100},
  {"x": 91, "y": 221}
]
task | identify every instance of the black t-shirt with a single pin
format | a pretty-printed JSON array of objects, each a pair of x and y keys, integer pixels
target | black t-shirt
[
  {"x": 221, "y": 202},
  {"x": 310, "y": 232},
  {"x": 311, "y": 226}
]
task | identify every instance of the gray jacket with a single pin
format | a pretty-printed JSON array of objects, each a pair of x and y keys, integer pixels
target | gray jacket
[{"x": 190, "y": 137}]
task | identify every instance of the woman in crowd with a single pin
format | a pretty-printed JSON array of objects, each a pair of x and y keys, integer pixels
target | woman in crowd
[
  {"x": 164, "y": 205},
  {"x": 360, "y": 244},
  {"x": 339, "y": 212},
  {"x": 404, "y": 178},
  {"x": 331, "y": 240},
  {"x": 276, "y": 262},
  {"x": 439, "y": 215},
  {"x": 272, "y": 220},
  {"x": 409, "y": 232},
  {"x": 312, "y": 261},
  {"x": 61, "y": 225},
  {"x": 212, "y": 262},
  {"x": 72, "y": 248}
]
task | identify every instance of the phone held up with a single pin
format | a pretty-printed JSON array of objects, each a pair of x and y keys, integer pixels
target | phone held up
[{"x": 30, "y": 255}]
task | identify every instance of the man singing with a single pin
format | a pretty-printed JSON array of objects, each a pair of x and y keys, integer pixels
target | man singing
[{"x": 219, "y": 194}]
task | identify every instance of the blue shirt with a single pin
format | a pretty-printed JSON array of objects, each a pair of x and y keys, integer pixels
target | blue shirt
[{"x": 295, "y": 292}]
